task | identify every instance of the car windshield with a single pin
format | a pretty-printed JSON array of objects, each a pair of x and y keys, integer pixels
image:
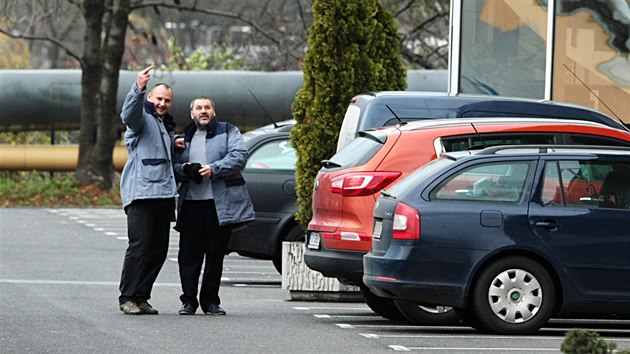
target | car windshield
[{"x": 418, "y": 176}]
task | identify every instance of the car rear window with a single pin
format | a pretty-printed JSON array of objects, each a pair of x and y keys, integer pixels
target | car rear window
[
  {"x": 358, "y": 152},
  {"x": 597, "y": 140},
  {"x": 469, "y": 142},
  {"x": 416, "y": 177},
  {"x": 494, "y": 182},
  {"x": 380, "y": 114}
]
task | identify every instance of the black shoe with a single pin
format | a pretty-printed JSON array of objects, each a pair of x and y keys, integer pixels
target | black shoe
[
  {"x": 130, "y": 308},
  {"x": 187, "y": 309},
  {"x": 146, "y": 308},
  {"x": 214, "y": 310}
]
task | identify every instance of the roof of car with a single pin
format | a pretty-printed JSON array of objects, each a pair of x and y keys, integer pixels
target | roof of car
[
  {"x": 464, "y": 97},
  {"x": 554, "y": 149},
  {"x": 502, "y": 121}
]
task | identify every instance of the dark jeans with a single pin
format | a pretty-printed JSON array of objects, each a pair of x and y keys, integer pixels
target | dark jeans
[
  {"x": 148, "y": 228},
  {"x": 200, "y": 236}
]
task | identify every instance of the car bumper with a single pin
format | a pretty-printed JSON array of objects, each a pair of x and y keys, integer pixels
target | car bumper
[
  {"x": 424, "y": 280},
  {"x": 344, "y": 265}
]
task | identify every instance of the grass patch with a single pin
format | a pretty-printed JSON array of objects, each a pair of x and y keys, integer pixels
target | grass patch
[{"x": 38, "y": 189}]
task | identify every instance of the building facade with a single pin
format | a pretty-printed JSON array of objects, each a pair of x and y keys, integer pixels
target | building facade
[{"x": 575, "y": 51}]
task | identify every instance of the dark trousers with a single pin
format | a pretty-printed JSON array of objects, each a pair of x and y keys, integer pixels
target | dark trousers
[
  {"x": 148, "y": 229},
  {"x": 200, "y": 236}
]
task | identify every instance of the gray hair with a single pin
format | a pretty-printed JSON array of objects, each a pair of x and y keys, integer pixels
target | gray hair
[{"x": 192, "y": 103}]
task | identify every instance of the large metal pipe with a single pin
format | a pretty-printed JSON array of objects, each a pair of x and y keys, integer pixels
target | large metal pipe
[
  {"x": 49, "y": 157},
  {"x": 50, "y": 99}
]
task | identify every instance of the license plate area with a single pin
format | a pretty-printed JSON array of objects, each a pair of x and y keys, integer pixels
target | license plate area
[
  {"x": 314, "y": 239},
  {"x": 378, "y": 228}
]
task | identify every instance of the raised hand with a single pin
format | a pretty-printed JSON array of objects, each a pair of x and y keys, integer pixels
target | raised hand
[{"x": 143, "y": 77}]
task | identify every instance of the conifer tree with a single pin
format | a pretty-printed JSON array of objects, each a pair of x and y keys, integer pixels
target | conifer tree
[{"x": 352, "y": 48}]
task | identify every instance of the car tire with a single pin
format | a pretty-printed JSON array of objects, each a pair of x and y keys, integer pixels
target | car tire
[
  {"x": 469, "y": 318},
  {"x": 514, "y": 295},
  {"x": 427, "y": 315},
  {"x": 294, "y": 234},
  {"x": 381, "y": 306}
]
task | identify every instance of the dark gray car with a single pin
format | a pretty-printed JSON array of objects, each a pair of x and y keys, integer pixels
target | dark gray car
[{"x": 270, "y": 177}]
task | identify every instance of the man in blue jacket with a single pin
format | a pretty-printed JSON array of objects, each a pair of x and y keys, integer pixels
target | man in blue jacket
[
  {"x": 213, "y": 199},
  {"x": 148, "y": 190}
]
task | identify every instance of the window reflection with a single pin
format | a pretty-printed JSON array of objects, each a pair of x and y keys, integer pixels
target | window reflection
[
  {"x": 591, "y": 55},
  {"x": 503, "y": 48}
]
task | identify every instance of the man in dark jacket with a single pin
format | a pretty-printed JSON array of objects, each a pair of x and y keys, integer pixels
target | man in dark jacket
[
  {"x": 213, "y": 199},
  {"x": 148, "y": 190}
]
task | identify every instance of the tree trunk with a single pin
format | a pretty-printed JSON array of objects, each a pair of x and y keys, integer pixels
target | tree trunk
[
  {"x": 93, "y": 11},
  {"x": 108, "y": 118},
  {"x": 99, "y": 119}
]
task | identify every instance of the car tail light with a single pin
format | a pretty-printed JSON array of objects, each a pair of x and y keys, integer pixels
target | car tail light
[
  {"x": 406, "y": 223},
  {"x": 362, "y": 183}
]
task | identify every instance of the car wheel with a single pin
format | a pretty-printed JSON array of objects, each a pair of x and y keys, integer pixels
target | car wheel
[
  {"x": 380, "y": 305},
  {"x": 468, "y": 316},
  {"x": 295, "y": 234},
  {"x": 514, "y": 295},
  {"x": 427, "y": 315}
]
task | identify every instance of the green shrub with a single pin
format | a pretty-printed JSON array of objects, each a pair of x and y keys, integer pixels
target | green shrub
[
  {"x": 582, "y": 341},
  {"x": 353, "y": 47},
  {"x": 58, "y": 189}
]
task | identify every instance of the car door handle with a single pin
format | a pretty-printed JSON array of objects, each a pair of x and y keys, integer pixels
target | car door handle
[{"x": 551, "y": 225}]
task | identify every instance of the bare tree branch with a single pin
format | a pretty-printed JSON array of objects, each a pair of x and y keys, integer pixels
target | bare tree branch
[
  {"x": 232, "y": 15},
  {"x": 54, "y": 41}
]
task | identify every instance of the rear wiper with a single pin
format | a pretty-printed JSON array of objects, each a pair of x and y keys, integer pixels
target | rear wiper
[
  {"x": 329, "y": 164},
  {"x": 386, "y": 193}
]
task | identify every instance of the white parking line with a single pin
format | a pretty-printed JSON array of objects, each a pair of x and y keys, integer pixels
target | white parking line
[
  {"x": 398, "y": 348},
  {"x": 482, "y": 350},
  {"x": 308, "y": 308},
  {"x": 458, "y": 336},
  {"x": 346, "y": 316},
  {"x": 73, "y": 282}
]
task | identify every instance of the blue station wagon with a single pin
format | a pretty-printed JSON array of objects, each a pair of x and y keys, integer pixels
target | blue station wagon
[{"x": 509, "y": 236}]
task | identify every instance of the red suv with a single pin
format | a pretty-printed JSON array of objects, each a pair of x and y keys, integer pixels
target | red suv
[{"x": 348, "y": 184}]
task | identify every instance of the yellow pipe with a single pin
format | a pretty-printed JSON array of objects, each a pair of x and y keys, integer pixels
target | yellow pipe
[{"x": 49, "y": 157}]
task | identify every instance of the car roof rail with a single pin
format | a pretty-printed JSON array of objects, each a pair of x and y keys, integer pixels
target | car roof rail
[{"x": 550, "y": 148}]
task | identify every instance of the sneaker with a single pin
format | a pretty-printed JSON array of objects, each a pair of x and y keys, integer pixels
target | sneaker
[
  {"x": 187, "y": 309},
  {"x": 130, "y": 308},
  {"x": 214, "y": 310},
  {"x": 146, "y": 308}
]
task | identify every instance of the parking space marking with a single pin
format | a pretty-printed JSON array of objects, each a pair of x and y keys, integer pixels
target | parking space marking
[
  {"x": 113, "y": 223},
  {"x": 420, "y": 338},
  {"x": 346, "y": 316},
  {"x": 398, "y": 348},
  {"x": 344, "y": 325},
  {"x": 458, "y": 336},
  {"x": 74, "y": 282},
  {"x": 308, "y": 308},
  {"x": 481, "y": 350}
]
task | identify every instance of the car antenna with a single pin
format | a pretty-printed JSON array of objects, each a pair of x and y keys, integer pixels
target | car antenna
[
  {"x": 478, "y": 135},
  {"x": 395, "y": 115},
  {"x": 591, "y": 91},
  {"x": 263, "y": 109}
]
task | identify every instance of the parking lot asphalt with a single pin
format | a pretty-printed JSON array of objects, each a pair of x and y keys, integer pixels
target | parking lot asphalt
[{"x": 59, "y": 272}]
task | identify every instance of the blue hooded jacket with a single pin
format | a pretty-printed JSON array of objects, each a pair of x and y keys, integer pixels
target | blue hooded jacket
[{"x": 148, "y": 172}]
